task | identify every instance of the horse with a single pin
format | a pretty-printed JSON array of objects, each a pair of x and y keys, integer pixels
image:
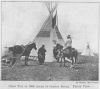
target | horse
[
  {"x": 23, "y": 51},
  {"x": 69, "y": 54}
]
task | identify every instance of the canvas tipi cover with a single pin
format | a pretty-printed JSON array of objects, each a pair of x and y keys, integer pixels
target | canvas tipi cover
[
  {"x": 87, "y": 51},
  {"x": 48, "y": 36}
]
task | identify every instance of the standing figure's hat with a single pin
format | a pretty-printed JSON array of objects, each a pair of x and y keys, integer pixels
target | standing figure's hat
[
  {"x": 69, "y": 36},
  {"x": 43, "y": 45}
]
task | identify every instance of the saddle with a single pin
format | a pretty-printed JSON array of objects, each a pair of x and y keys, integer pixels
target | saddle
[{"x": 68, "y": 50}]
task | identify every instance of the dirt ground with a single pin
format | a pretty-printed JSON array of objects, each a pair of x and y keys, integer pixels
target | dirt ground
[{"x": 86, "y": 69}]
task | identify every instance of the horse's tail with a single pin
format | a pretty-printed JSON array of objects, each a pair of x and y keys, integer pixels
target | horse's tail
[{"x": 76, "y": 54}]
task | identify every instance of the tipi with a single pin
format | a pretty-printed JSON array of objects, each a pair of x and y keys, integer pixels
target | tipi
[
  {"x": 49, "y": 34},
  {"x": 87, "y": 51}
]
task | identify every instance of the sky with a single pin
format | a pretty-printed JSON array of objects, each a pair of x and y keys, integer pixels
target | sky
[{"x": 21, "y": 22}]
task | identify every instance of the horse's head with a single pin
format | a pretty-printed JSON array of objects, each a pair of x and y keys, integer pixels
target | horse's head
[
  {"x": 58, "y": 46},
  {"x": 33, "y": 45},
  {"x": 11, "y": 49}
]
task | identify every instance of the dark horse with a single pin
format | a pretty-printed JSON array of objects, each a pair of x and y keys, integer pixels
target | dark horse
[
  {"x": 70, "y": 55},
  {"x": 23, "y": 51}
]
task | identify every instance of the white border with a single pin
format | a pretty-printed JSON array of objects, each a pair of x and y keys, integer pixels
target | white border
[{"x": 93, "y": 85}]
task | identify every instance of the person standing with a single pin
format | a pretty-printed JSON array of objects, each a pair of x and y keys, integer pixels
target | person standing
[{"x": 41, "y": 54}]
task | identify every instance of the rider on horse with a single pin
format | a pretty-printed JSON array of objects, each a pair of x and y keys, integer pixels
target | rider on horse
[
  {"x": 67, "y": 51},
  {"x": 68, "y": 44}
]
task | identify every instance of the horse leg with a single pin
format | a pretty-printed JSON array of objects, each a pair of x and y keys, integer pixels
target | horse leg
[
  {"x": 13, "y": 60},
  {"x": 64, "y": 61},
  {"x": 75, "y": 59},
  {"x": 72, "y": 62},
  {"x": 26, "y": 60},
  {"x": 61, "y": 62},
  {"x": 58, "y": 60}
]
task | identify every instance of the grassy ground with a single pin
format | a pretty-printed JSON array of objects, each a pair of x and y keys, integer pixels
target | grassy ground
[{"x": 86, "y": 69}]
